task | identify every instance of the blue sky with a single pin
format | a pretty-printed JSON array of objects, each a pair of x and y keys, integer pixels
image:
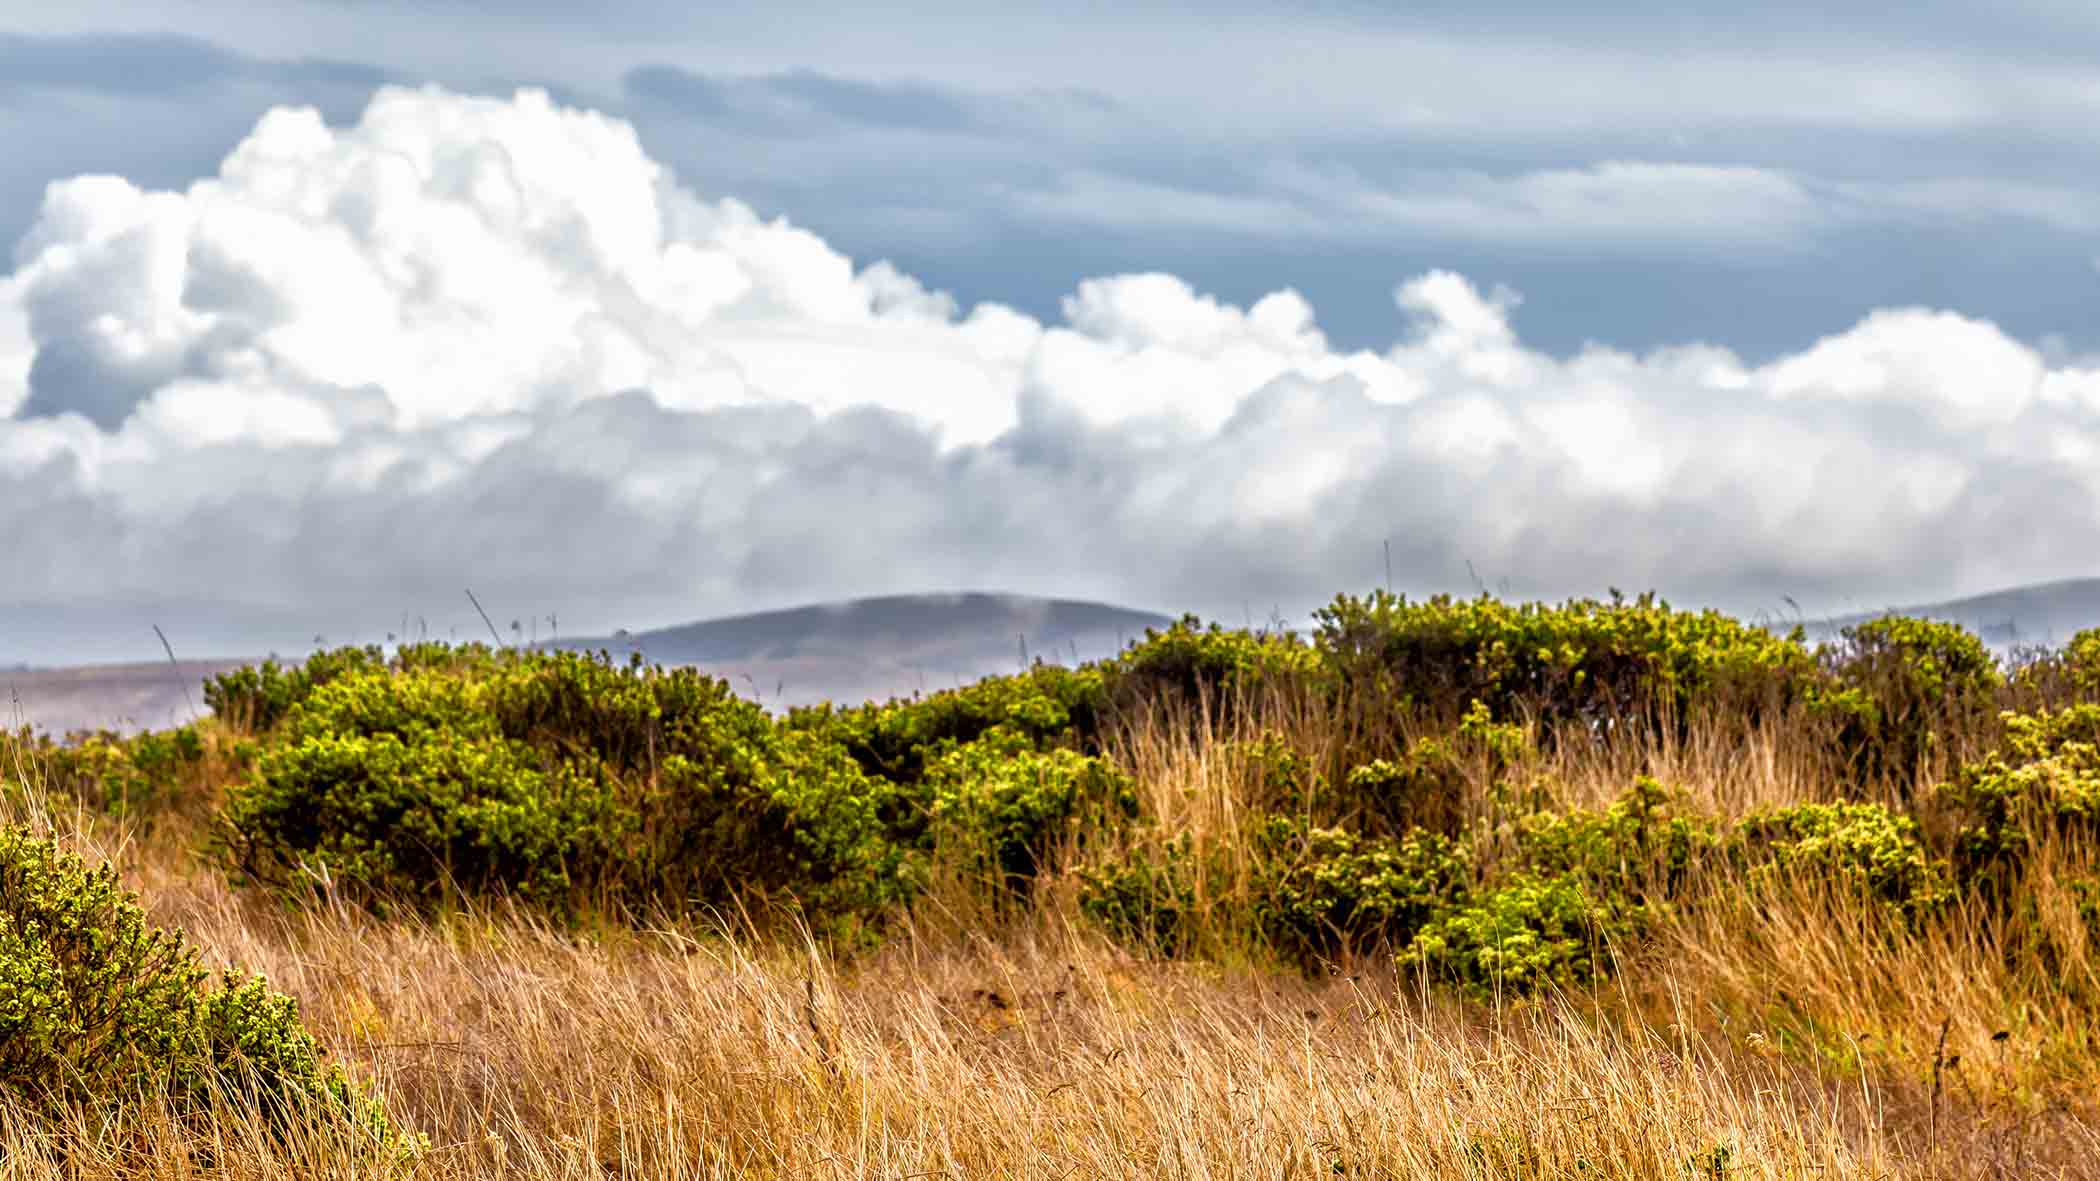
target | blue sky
[{"x": 1645, "y": 236}]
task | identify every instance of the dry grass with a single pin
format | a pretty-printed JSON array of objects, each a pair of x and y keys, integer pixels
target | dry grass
[
  {"x": 1792, "y": 1036},
  {"x": 523, "y": 1052}
]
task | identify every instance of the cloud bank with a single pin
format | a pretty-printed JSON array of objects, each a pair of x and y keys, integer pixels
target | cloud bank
[{"x": 471, "y": 341}]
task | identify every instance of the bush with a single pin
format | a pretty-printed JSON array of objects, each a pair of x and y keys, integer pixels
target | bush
[
  {"x": 1142, "y": 900},
  {"x": 2044, "y": 778},
  {"x": 1862, "y": 844},
  {"x": 1047, "y": 706},
  {"x": 1521, "y": 936},
  {"x": 139, "y": 776},
  {"x": 98, "y": 1007},
  {"x": 257, "y": 697},
  {"x": 1638, "y": 852},
  {"x": 999, "y": 804},
  {"x": 1432, "y": 786},
  {"x": 1324, "y": 890},
  {"x": 1900, "y": 687},
  {"x": 560, "y": 779},
  {"x": 1577, "y": 668},
  {"x": 1193, "y": 664},
  {"x": 2082, "y": 658}
]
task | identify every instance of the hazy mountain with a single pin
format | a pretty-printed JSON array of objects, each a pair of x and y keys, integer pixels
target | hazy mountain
[
  {"x": 2046, "y": 614},
  {"x": 151, "y": 695},
  {"x": 848, "y": 652},
  {"x": 884, "y": 647}
]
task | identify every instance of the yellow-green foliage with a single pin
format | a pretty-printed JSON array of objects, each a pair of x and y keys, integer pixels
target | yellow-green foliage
[
  {"x": 1899, "y": 684},
  {"x": 259, "y": 696},
  {"x": 2044, "y": 778},
  {"x": 141, "y": 775},
  {"x": 1322, "y": 890},
  {"x": 1006, "y": 805},
  {"x": 1432, "y": 785},
  {"x": 97, "y": 1006},
  {"x": 1523, "y": 935},
  {"x": 2082, "y": 656},
  {"x": 1854, "y": 843},
  {"x": 1144, "y": 899},
  {"x": 1047, "y": 706},
  {"x": 564, "y": 780},
  {"x": 1581, "y": 662},
  {"x": 1195, "y": 663},
  {"x": 1640, "y": 850},
  {"x": 553, "y": 777}
]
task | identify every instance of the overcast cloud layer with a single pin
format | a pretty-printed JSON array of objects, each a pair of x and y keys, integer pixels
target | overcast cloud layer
[{"x": 491, "y": 342}]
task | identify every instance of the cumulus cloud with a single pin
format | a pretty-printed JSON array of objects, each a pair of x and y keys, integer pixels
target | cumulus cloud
[{"x": 492, "y": 342}]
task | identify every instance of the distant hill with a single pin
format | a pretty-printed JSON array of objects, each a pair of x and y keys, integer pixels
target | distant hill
[
  {"x": 152, "y": 695},
  {"x": 884, "y": 647},
  {"x": 2046, "y": 614},
  {"x": 847, "y": 652}
]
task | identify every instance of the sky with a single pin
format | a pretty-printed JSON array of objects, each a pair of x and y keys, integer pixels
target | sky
[{"x": 315, "y": 313}]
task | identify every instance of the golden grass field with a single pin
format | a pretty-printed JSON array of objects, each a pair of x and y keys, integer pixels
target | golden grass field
[{"x": 1793, "y": 1033}]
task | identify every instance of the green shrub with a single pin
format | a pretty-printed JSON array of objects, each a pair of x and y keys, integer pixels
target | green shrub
[
  {"x": 1000, "y": 804},
  {"x": 1432, "y": 786},
  {"x": 560, "y": 779},
  {"x": 1194, "y": 664},
  {"x": 418, "y": 818},
  {"x": 1275, "y": 775},
  {"x": 1145, "y": 900},
  {"x": 143, "y": 775},
  {"x": 1427, "y": 790},
  {"x": 256, "y": 697},
  {"x": 1640, "y": 851},
  {"x": 1524, "y": 934},
  {"x": 98, "y": 1007},
  {"x": 2043, "y": 778},
  {"x": 1576, "y": 668},
  {"x": 1047, "y": 706},
  {"x": 1323, "y": 890},
  {"x": 1863, "y": 844},
  {"x": 2082, "y": 658},
  {"x": 1900, "y": 687}
]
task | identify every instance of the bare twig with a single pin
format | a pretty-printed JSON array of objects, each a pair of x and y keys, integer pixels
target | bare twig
[{"x": 498, "y": 636}]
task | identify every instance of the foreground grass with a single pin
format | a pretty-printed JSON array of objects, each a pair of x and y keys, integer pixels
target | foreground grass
[{"x": 521, "y": 1050}]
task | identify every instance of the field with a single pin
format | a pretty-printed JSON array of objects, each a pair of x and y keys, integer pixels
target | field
[{"x": 1456, "y": 890}]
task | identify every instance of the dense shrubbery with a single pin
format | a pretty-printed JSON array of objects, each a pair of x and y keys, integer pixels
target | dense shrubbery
[
  {"x": 98, "y": 1007},
  {"x": 1526, "y": 933},
  {"x": 1899, "y": 687},
  {"x": 143, "y": 775},
  {"x": 2044, "y": 780},
  {"x": 1422, "y": 820},
  {"x": 1003, "y": 805},
  {"x": 1582, "y": 665},
  {"x": 258, "y": 696},
  {"x": 1047, "y": 706},
  {"x": 1189, "y": 664},
  {"x": 557, "y": 778},
  {"x": 1858, "y": 844},
  {"x": 1148, "y": 898},
  {"x": 2082, "y": 658},
  {"x": 1323, "y": 890},
  {"x": 565, "y": 780}
]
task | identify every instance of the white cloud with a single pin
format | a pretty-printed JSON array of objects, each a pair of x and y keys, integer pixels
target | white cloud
[{"x": 492, "y": 342}]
